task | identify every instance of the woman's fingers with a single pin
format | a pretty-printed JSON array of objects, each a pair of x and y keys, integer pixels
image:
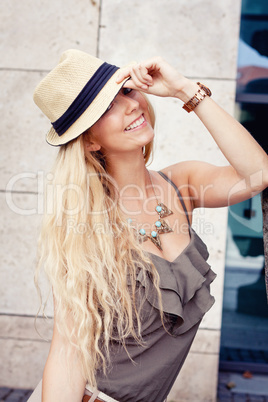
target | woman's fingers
[
  {"x": 136, "y": 78},
  {"x": 122, "y": 74},
  {"x": 142, "y": 74},
  {"x": 154, "y": 76},
  {"x": 138, "y": 73},
  {"x": 130, "y": 84}
]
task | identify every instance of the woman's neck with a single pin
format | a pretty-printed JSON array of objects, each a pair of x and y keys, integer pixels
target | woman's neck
[{"x": 130, "y": 173}]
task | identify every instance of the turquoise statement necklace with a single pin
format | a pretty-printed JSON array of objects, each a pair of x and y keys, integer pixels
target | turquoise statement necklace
[{"x": 161, "y": 225}]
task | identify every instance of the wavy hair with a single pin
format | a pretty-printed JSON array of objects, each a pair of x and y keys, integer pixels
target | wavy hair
[{"x": 91, "y": 256}]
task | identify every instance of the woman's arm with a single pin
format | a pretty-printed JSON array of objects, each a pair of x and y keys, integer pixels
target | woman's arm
[
  {"x": 62, "y": 378},
  {"x": 248, "y": 171},
  {"x": 247, "y": 174}
]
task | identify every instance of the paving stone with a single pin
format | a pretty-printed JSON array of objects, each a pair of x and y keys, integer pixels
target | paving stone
[
  {"x": 27, "y": 396},
  {"x": 224, "y": 399},
  {"x": 233, "y": 395},
  {"x": 16, "y": 395},
  {"x": 4, "y": 391},
  {"x": 240, "y": 398}
]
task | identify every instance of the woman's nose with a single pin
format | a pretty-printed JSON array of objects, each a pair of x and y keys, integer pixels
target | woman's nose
[{"x": 130, "y": 104}]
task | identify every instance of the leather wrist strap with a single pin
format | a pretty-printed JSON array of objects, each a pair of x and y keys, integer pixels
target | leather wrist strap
[
  {"x": 202, "y": 92},
  {"x": 88, "y": 398}
]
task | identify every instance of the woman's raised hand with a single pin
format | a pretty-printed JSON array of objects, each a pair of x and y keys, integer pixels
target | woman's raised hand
[{"x": 154, "y": 76}]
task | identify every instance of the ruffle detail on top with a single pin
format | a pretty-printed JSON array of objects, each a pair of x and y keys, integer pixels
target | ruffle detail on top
[{"x": 184, "y": 285}]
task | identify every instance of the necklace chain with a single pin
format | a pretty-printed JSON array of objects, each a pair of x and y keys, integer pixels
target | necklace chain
[{"x": 161, "y": 225}]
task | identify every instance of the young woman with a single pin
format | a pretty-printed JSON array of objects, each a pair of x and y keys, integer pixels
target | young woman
[{"x": 129, "y": 275}]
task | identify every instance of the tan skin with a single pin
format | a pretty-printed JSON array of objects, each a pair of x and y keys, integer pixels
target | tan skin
[{"x": 246, "y": 175}]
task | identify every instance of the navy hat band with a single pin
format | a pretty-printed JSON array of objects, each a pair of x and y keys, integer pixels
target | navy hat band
[{"x": 84, "y": 98}]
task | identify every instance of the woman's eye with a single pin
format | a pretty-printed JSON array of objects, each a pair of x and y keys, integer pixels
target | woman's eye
[
  {"x": 109, "y": 107},
  {"x": 126, "y": 90}
]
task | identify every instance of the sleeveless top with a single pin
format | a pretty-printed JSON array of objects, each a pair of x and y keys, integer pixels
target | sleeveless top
[{"x": 147, "y": 372}]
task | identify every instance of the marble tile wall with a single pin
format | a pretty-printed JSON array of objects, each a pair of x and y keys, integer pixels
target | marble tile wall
[{"x": 200, "y": 39}]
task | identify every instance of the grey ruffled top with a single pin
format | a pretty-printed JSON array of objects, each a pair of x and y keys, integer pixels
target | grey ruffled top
[{"x": 185, "y": 289}]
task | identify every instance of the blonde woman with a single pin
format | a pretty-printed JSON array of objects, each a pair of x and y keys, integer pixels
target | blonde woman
[{"x": 129, "y": 275}]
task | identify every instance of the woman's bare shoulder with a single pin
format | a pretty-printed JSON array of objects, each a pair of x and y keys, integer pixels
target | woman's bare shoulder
[
  {"x": 179, "y": 172},
  {"x": 182, "y": 172}
]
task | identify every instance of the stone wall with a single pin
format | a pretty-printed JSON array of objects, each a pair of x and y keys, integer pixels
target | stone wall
[{"x": 200, "y": 39}]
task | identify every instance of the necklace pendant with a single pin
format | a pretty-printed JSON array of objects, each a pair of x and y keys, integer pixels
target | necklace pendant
[
  {"x": 160, "y": 225},
  {"x": 155, "y": 239},
  {"x": 163, "y": 210},
  {"x": 164, "y": 228},
  {"x": 142, "y": 235},
  {"x": 143, "y": 238}
]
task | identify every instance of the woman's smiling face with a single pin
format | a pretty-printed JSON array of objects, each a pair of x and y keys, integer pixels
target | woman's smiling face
[{"x": 125, "y": 126}]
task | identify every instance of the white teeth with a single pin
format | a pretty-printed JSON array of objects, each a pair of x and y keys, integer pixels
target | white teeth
[{"x": 135, "y": 124}]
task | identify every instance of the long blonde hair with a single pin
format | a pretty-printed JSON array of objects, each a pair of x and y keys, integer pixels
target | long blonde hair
[{"x": 91, "y": 255}]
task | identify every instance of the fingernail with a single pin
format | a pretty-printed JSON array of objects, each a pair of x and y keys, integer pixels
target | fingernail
[{"x": 144, "y": 86}]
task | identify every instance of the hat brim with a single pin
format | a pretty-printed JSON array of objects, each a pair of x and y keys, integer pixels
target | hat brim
[{"x": 91, "y": 115}]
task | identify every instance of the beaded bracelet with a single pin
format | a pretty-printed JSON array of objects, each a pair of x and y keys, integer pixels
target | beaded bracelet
[{"x": 202, "y": 92}]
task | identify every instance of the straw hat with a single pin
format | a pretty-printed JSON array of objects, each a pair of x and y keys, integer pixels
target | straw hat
[{"x": 75, "y": 94}]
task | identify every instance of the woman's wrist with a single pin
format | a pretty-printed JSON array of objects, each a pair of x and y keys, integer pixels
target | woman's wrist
[{"x": 187, "y": 90}]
